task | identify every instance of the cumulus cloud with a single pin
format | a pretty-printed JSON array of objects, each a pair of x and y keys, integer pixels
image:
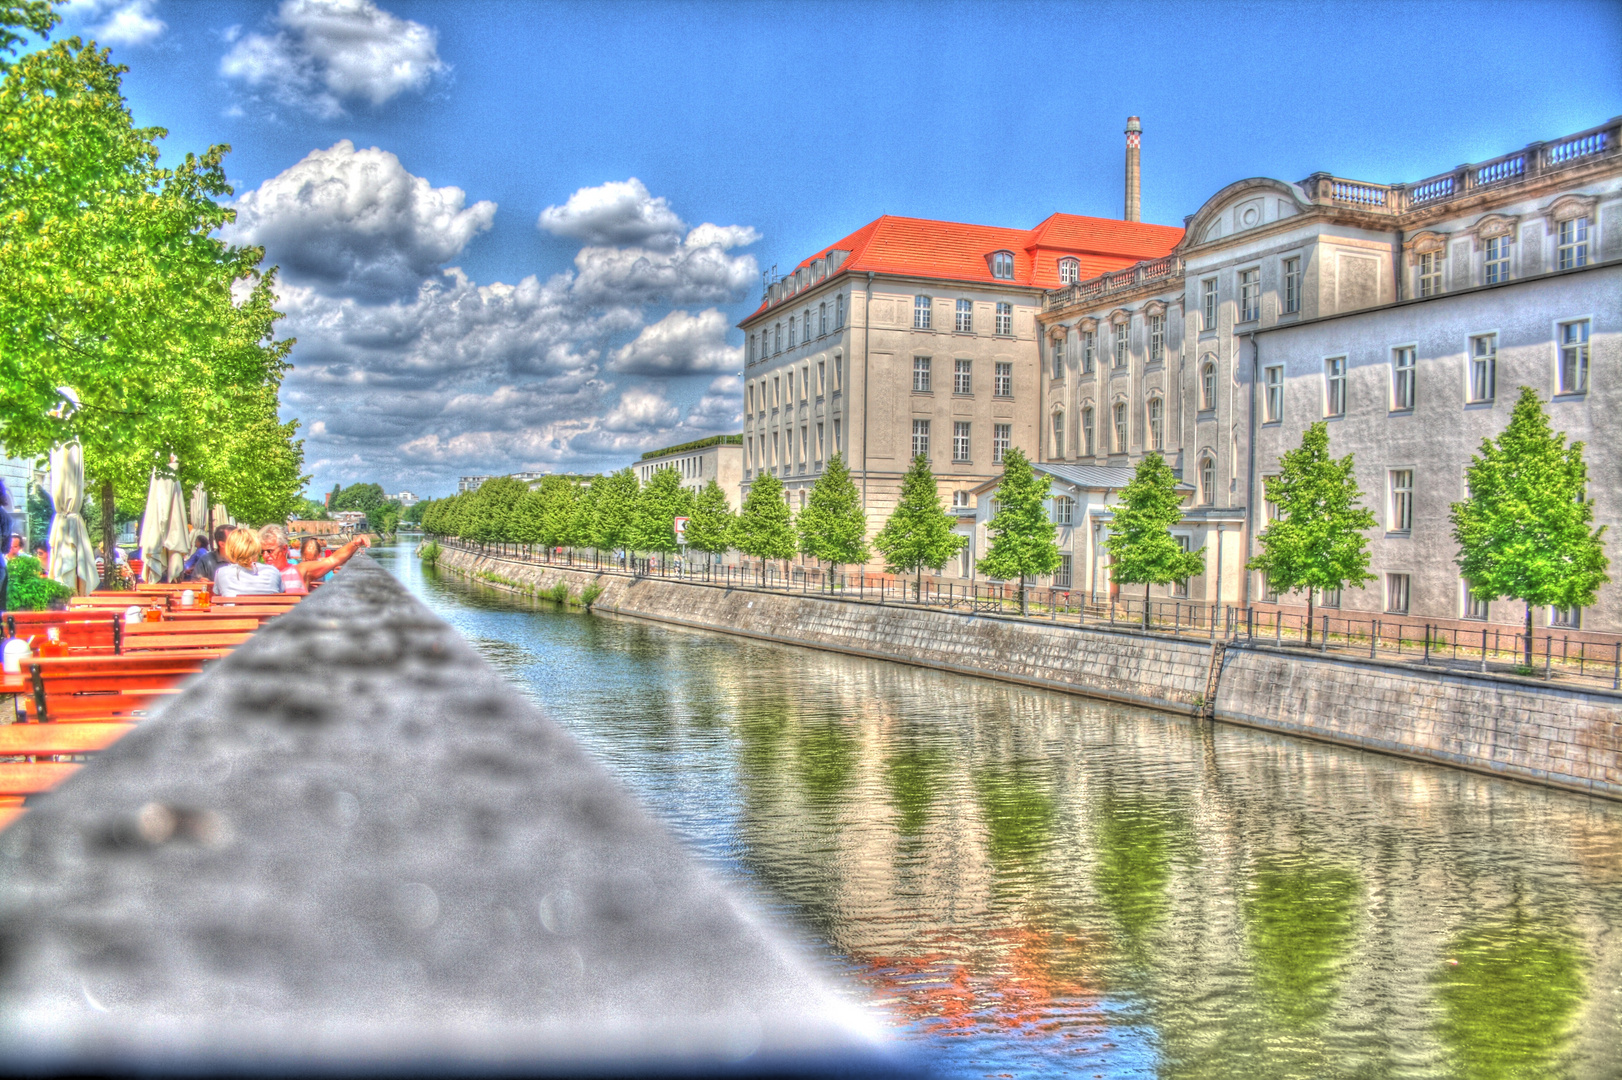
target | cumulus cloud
[
  {"x": 680, "y": 344},
  {"x": 691, "y": 274},
  {"x": 358, "y": 222},
  {"x": 115, "y": 22},
  {"x": 324, "y": 53},
  {"x": 618, "y": 212},
  {"x": 640, "y": 409}
]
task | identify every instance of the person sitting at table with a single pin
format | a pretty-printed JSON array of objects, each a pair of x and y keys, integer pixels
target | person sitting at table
[
  {"x": 314, "y": 566},
  {"x": 243, "y": 574}
]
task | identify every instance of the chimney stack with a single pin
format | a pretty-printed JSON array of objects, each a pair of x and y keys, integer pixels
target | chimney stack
[{"x": 1134, "y": 135}]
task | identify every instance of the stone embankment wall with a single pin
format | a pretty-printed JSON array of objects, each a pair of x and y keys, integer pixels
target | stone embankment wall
[{"x": 1515, "y": 728}]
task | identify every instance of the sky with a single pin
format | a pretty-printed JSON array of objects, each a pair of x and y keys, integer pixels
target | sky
[{"x": 519, "y": 236}]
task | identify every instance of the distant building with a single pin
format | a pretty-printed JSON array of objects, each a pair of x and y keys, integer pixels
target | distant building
[
  {"x": 405, "y": 498},
  {"x": 470, "y": 483},
  {"x": 348, "y": 519},
  {"x": 718, "y": 458}
]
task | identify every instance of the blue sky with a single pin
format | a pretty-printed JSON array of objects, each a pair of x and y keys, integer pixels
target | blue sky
[{"x": 788, "y": 125}]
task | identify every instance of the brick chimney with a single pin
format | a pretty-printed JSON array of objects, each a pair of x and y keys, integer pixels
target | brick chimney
[{"x": 1134, "y": 135}]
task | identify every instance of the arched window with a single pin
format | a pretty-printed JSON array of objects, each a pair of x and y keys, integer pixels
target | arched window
[
  {"x": 1002, "y": 265},
  {"x": 1069, "y": 271},
  {"x": 1157, "y": 423},
  {"x": 778, "y": 342},
  {"x": 1058, "y": 434},
  {"x": 1207, "y": 481},
  {"x": 822, "y": 319},
  {"x": 1120, "y": 427},
  {"x": 1208, "y": 384},
  {"x": 791, "y": 331}
]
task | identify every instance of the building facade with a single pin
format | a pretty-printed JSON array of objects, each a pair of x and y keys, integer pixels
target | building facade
[
  {"x": 912, "y": 336},
  {"x": 718, "y": 458},
  {"x": 1405, "y": 316}
]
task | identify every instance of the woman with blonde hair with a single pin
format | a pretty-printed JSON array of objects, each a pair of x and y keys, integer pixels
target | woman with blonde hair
[{"x": 243, "y": 574}]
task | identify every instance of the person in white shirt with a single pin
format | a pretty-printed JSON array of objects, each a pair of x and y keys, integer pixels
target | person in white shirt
[{"x": 243, "y": 574}]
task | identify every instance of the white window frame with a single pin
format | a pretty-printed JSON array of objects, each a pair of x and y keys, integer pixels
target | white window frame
[
  {"x": 923, "y": 312},
  {"x": 1571, "y": 243},
  {"x": 1400, "y": 499},
  {"x": 1208, "y": 384},
  {"x": 1404, "y": 376},
  {"x": 1089, "y": 448},
  {"x": 1334, "y": 386},
  {"x": 1179, "y": 587},
  {"x": 920, "y": 437},
  {"x": 964, "y": 323},
  {"x": 1398, "y": 593},
  {"x": 1121, "y": 353},
  {"x": 1155, "y": 408},
  {"x": 1069, "y": 271},
  {"x": 1208, "y": 304},
  {"x": 837, "y": 433},
  {"x": 1292, "y": 285},
  {"x": 839, "y": 312},
  {"x": 1573, "y": 356},
  {"x": 962, "y": 443},
  {"x": 1064, "y": 510},
  {"x": 1273, "y": 396},
  {"x": 839, "y": 372},
  {"x": 791, "y": 331},
  {"x": 1565, "y": 618},
  {"x": 922, "y": 375},
  {"x": 1058, "y": 434},
  {"x": 1056, "y": 356},
  {"x": 1121, "y": 429},
  {"x": 1157, "y": 339},
  {"x": 1430, "y": 271},
  {"x": 1003, "y": 379},
  {"x": 1002, "y": 440},
  {"x": 1250, "y": 294},
  {"x": 1208, "y": 480},
  {"x": 1003, "y": 326},
  {"x": 962, "y": 376},
  {"x": 1495, "y": 259},
  {"x": 1471, "y": 607},
  {"x": 1002, "y": 265},
  {"x": 1481, "y": 368}
]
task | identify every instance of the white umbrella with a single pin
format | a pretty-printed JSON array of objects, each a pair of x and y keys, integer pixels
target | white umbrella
[
  {"x": 198, "y": 512},
  {"x": 73, "y": 562},
  {"x": 164, "y": 542}
]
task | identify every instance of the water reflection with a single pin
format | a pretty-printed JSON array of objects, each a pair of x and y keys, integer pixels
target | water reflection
[{"x": 1036, "y": 884}]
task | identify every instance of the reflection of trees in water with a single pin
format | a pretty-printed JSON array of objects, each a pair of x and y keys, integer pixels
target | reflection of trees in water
[
  {"x": 1136, "y": 836},
  {"x": 1509, "y": 994},
  {"x": 1017, "y": 807},
  {"x": 1302, "y": 918},
  {"x": 825, "y": 758},
  {"x": 915, "y": 776}
]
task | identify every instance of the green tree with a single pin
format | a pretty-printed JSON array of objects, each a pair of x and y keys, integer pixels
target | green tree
[
  {"x": 1526, "y": 529},
  {"x": 833, "y": 526},
  {"x": 1141, "y": 547},
  {"x": 614, "y": 505},
  {"x": 710, "y": 529},
  {"x": 494, "y": 519},
  {"x": 660, "y": 502},
  {"x": 1021, "y": 531},
  {"x": 764, "y": 527},
  {"x": 583, "y": 522},
  {"x": 360, "y": 497},
  {"x": 918, "y": 532},
  {"x": 310, "y": 510},
  {"x": 557, "y": 498},
  {"x": 1317, "y": 540}
]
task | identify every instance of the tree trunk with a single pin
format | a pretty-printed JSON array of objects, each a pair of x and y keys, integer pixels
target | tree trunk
[
  {"x": 1146, "y": 605},
  {"x": 918, "y": 586},
  {"x": 109, "y": 531},
  {"x": 1529, "y": 643},
  {"x": 1309, "y": 618},
  {"x": 1023, "y": 611}
]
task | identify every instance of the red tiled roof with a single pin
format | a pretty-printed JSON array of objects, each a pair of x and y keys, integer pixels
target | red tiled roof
[{"x": 959, "y": 252}]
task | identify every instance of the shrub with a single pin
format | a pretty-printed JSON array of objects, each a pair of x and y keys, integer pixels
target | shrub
[
  {"x": 589, "y": 594},
  {"x": 28, "y": 589},
  {"x": 429, "y": 553},
  {"x": 559, "y": 593}
]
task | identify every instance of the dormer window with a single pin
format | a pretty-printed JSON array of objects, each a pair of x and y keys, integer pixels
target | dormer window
[
  {"x": 1069, "y": 271},
  {"x": 1002, "y": 265}
]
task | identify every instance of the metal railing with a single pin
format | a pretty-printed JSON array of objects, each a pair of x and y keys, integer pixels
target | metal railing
[{"x": 1593, "y": 660}]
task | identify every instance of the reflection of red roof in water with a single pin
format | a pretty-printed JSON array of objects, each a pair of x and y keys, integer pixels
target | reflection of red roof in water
[
  {"x": 959, "y": 252},
  {"x": 1005, "y": 979}
]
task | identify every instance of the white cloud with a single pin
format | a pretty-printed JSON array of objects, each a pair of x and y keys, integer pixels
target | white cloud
[
  {"x": 640, "y": 409},
  {"x": 115, "y": 22},
  {"x": 691, "y": 274},
  {"x": 358, "y": 222},
  {"x": 328, "y": 52},
  {"x": 680, "y": 344},
  {"x": 618, "y": 212},
  {"x": 724, "y": 237}
]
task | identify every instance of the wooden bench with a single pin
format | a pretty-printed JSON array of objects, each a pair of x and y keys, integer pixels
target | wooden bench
[
  {"x": 80, "y": 688},
  {"x": 93, "y": 634},
  {"x": 76, "y": 738},
  {"x": 23, "y": 778}
]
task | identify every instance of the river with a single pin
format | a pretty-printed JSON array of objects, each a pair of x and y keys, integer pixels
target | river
[{"x": 1037, "y": 884}]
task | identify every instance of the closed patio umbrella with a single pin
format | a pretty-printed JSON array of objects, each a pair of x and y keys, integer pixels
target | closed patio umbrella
[
  {"x": 73, "y": 562},
  {"x": 198, "y": 511},
  {"x": 164, "y": 541}
]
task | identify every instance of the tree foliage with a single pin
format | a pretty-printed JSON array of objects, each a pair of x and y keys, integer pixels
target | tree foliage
[
  {"x": 918, "y": 533},
  {"x": 1526, "y": 530},
  {"x": 1022, "y": 534},
  {"x": 710, "y": 529},
  {"x": 27, "y": 589},
  {"x": 833, "y": 525},
  {"x": 1141, "y": 547},
  {"x": 1317, "y": 541},
  {"x": 765, "y": 528},
  {"x": 660, "y": 502},
  {"x": 614, "y": 510}
]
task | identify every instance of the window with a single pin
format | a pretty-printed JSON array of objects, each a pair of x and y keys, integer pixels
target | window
[
  {"x": 1329, "y": 598},
  {"x": 923, "y": 308},
  {"x": 965, "y": 317},
  {"x": 1574, "y": 357},
  {"x": 777, "y": 385},
  {"x": 960, "y": 500},
  {"x": 1208, "y": 385},
  {"x": 1571, "y": 246},
  {"x": 1483, "y": 367},
  {"x": 1430, "y": 272},
  {"x": 1002, "y": 265},
  {"x": 774, "y": 450},
  {"x": 1180, "y": 586},
  {"x": 836, "y": 437},
  {"x": 1475, "y": 607},
  {"x": 1058, "y": 357},
  {"x": 805, "y": 383},
  {"x": 1496, "y": 264},
  {"x": 1061, "y": 576},
  {"x": 791, "y": 331},
  {"x": 1396, "y": 594},
  {"x": 920, "y": 374},
  {"x": 839, "y": 311},
  {"x": 1292, "y": 285},
  {"x": 1120, "y": 427},
  {"x": 1089, "y": 351},
  {"x": 1570, "y": 618},
  {"x": 1069, "y": 271},
  {"x": 1207, "y": 481},
  {"x": 1157, "y": 424},
  {"x": 1157, "y": 339},
  {"x": 1208, "y": 304},
  {"x": 1402, "y": 379},
  {"x": 962, "y": 382},
  {"x": 1002, "y": 437},
  {"x": 960, "y": 442},
  {"x": 751, "y": 348},
  {"x": 1402, "y": 501},
  {"x": 1058, "y": 434},
  {"x": 788, "y": 398},
  {"x": 1123, "y": 330},
  {"x": 1003, "y": 379},
  {"x": 751, "y": 398},
  {"x": 1005, "y": 319},
  {"x": 1274, "y": 404},
  {"x": 1063, "y": 509},
  {"x": 920, "y": 438},
  {"x": 1250, "y": 295},
  {"x": 805, "y": 447},
  {"x": 839, "y": 373},
  {"x": 777, "y": 336},
  {"x": 822, "y": 377},
  {"x": 1335, "y": 386},
  {"x": 806, "y": 323},
  {"x": 1087, "y": 433}
]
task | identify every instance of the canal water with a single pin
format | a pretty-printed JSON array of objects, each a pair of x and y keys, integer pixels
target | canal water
[{"x": 1035, "y": 884}]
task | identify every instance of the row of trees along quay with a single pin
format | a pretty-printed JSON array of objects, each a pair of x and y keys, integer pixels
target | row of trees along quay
[
  {"x": 1525, "y": 531},
  {"x": 115, "y": 289}
]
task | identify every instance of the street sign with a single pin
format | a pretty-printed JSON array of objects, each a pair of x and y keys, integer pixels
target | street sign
[{"x": 681, "y": 530}]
